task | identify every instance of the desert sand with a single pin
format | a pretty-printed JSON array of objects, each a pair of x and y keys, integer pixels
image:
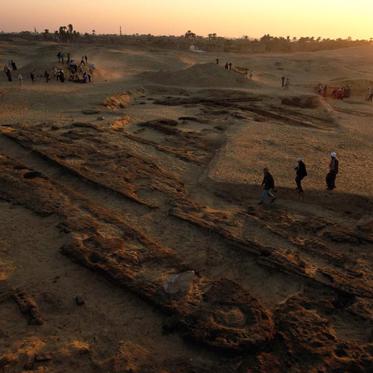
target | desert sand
[{"x": 131, "y": 239}]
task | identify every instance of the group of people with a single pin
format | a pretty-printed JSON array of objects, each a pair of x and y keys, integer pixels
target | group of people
[
  {"x": 338, "y": 93},
  {"x": 33, "y": 76},
  {"x": 61, "y": 58},
  {"x": 227, "y": 66},
  {"x": 268, "y": 195},
  {"x": 80, "y": 73},
  {"x": 9, "y": 69},
  {"x": 341, "y": 92}
]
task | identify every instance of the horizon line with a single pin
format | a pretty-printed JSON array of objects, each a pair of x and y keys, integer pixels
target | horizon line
[{"x": 252, "y": 38}]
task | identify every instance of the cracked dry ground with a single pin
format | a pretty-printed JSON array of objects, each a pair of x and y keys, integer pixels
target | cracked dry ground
[{"x": 152, "y": 266}]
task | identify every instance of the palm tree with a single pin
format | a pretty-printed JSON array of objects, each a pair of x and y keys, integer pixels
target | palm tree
[
  {"x": 46, "y": 33},
  {"x": 190, "y": 35},
  {"x": 62, "y": 32}
]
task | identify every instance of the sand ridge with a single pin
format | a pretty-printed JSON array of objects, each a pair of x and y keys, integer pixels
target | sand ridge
[{"x": 150, "y": 177}]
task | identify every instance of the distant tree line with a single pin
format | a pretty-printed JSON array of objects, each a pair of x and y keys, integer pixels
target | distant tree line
[{"x": 213, "y": 42}]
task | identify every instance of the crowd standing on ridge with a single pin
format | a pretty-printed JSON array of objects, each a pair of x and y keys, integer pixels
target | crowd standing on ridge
[{"x": 77, "y": 72}]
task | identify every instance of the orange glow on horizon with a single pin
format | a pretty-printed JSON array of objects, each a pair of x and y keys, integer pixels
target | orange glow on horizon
[{"x": 235, "y": 18}]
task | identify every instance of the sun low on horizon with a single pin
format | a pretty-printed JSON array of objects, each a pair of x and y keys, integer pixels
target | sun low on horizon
[{"x": 235, "y": 18}]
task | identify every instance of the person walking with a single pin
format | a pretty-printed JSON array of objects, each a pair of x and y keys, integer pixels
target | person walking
[
  {"x": 370, "y": 94},
  {"x": 268, "y": 185},
  {"x": 14, "y": 66},
  {"x": 8, "y": 73},
  {"x": 333, "y": 171},
  {"x": 46, "y": 76},
  {"x": 287, "y": 83},
  {"x": 283, "y": 79},
  {"x": 62, "y": 76},
  {"x": 32, "y": 77},
  {"x": 230, "y": 65},
  {"x": 217, "y": 61},
  {"x": 301, "y": 173},
  {"x": 20, "y": 79}
]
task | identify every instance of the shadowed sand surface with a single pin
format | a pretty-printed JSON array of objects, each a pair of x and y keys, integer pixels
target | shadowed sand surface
[{"x": 131, "y": 239}]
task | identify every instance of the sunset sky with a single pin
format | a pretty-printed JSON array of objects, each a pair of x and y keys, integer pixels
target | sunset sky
[{"x": 233, "y": 18}]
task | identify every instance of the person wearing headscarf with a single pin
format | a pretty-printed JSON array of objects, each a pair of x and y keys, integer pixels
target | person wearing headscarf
[
  {"x": 268, "y": 186},
  {"x": 333, "y": 171}
]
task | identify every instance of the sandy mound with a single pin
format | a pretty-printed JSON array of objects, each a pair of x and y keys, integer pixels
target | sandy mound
[{"x": 200, "y": 75}]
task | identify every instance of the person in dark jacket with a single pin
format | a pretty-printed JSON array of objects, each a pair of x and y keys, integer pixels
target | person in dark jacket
[
  {"x": 333, "y": 172},
  {"x": 301, "y": 173},
  {"x": 14, "y": 66},
  {"x": 8, "y": 73},
  {"x": 268, "y": 185}
]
